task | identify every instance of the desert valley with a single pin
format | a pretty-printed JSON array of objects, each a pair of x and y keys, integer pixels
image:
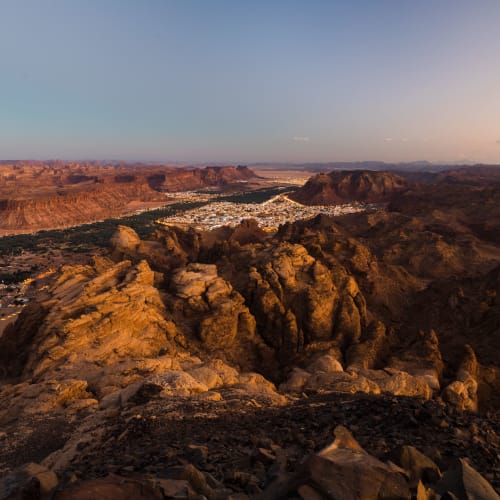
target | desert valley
[{"x": 243, "y": 332}]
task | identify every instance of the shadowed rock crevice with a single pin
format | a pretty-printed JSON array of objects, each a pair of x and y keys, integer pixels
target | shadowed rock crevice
[{"x": 13, "y": 352}]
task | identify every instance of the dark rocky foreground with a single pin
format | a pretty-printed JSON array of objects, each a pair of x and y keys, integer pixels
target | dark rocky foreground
[
  {"x": 233, "y": 432},
  {"x": 242, "y": 446}
]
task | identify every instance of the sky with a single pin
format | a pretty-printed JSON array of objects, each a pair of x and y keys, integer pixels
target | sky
[{"x": 250, "y": 81}]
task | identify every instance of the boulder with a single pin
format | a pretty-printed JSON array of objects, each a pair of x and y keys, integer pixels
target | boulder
[
  {"x": 125, "y": 240},
  {"x": 463, "y": 481},
  {"x": 110, "y": 379},
  {"x": 176, "y": 488},
  {"x": 462, "y": 392},
  {"x": 193, "y": 280},
  {"x": 421, "y": 358},
  {"x": 169, "y": 383},
  {"x": 137, "y": 393},
  {"x": 208, "y": 396},
  {"x": 326, "y": 364},
  {"x": 418, "y": 466},
  {"x": 117, "y": 488},
  {"x": 226, "y": 373},
  {"x": 462, "y": 395},
  {"x": 296, "y": 381},
  {"x": 206, "y": 376},
  {"x": 254, "y": 385},
  {"x": 194, "y": 477},
  {"x": 177, "y": 383},
  {"x": 28, "y": 481},
  {"x": 344, "y": 471},
  {"x": 341, "y": 382},
  {"x": 398, "y": 383}
]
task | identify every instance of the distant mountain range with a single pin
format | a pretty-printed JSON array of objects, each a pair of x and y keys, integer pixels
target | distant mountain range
[{"x": 415, "y": 166}]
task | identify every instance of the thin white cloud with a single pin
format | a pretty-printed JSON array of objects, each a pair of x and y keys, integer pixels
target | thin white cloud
[
  {"x": 391, "y": 139},
  {"x": 300, "y": 138}
]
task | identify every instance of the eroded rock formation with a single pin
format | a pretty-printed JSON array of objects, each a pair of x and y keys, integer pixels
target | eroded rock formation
[
  {"x": 345, "y": 186},
  {"x": 344, "y": 313}
]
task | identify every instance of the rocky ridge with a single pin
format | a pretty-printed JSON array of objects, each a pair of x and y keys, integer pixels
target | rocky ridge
[
  {"x": 344, "y": 186},
  {"x": 233, "y": 328}
]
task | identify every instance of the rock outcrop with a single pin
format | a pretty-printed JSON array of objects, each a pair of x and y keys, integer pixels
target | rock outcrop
[
  {"x": 462, "y": 481},
  {"x": 29, "y": 481},
  {"x": 462, "y": 392},
  {"x": 266, "y": 306},
  {"x": 92, "y": 317},
  {"x": 346, "y": 186}
]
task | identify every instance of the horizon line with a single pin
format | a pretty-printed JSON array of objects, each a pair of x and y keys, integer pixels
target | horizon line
[{"x": 246, "y": 163}]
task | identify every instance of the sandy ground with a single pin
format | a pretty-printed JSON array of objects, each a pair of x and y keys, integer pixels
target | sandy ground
[
  {"x": 292, "y": 177},
  {"x": 137, "y": 205}
]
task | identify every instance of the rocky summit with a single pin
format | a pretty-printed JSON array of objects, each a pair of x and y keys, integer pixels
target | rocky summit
[
  {"x": 343, "y": 186},
  {"x": 354, "y": 357}
]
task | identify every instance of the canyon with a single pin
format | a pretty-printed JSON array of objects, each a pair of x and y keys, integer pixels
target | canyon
[
  {"x": 240, "y": 363},
  {"x": 49, "y": 195}
]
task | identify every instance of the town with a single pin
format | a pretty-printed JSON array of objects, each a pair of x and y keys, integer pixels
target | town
[{"x": 270, "y": 214}]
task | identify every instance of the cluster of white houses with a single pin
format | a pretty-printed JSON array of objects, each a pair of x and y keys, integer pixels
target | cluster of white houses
[{"x": 270, "y": 214}]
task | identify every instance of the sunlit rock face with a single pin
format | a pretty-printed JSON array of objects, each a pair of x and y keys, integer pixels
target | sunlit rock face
[
  {"x": 340, "y": 187},
  {"x": 326, "y": 321},
  {"x": 95, "y": 315},
  {"x": 265, "y": 304}
]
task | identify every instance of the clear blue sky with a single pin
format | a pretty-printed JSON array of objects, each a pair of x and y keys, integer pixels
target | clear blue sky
[{"x": 244, "y": 81}]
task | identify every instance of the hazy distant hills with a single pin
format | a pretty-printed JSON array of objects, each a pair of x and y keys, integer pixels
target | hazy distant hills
[{"x": 416, "y": 166}]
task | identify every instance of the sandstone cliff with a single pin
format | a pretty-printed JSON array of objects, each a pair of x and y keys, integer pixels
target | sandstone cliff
[
  {"x": 340, "y": 187},
  {"x": 269, "y": 306},
  {"x": 70, "y": 208},
  {"x": 47, "y": 196}
]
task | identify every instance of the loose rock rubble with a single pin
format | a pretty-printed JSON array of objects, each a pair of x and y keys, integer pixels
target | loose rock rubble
[{"x": 244, "y": 445}]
